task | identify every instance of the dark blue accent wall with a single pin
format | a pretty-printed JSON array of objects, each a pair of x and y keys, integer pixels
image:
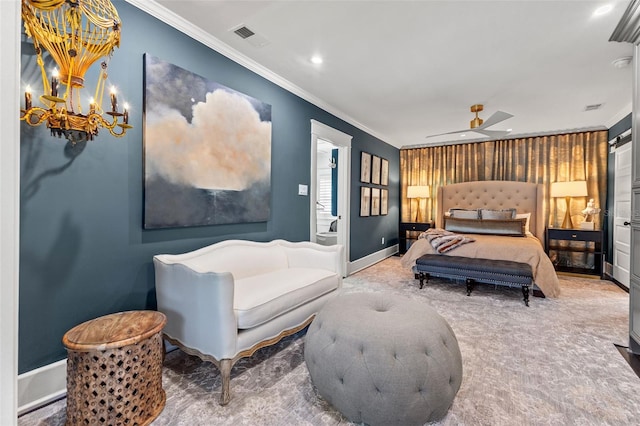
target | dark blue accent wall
[
  {"x": 83, "y": 251},
  {"x": 616, "y": 130}
]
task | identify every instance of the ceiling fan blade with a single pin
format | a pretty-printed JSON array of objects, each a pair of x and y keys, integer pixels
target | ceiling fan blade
[
  {"x": 497, "y": 117},
  {"x": 449, "y": 133},
  {"x": 495, "y": 134}
]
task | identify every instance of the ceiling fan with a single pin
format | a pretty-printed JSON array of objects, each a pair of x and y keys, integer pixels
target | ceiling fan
[{"x": 478, "y": 125}]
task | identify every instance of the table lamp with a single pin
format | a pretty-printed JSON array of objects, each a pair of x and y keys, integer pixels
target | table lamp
[
  {"x": 419, "y": 192},
  {"x": 567, "y": 190}
]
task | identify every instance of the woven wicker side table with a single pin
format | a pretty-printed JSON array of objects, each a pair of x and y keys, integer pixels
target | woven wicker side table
[{"x": 114, "y": 369}]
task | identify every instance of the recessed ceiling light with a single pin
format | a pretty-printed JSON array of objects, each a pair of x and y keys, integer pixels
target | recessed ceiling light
[
  {"x": 316, "y": 59},
  {"x": 462, "y": 135},
  {"x": 508, "y": 130},
  {"x": 603, "y": 10}
]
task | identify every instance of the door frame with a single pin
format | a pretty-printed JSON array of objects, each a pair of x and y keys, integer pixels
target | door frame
[
  {"x": 342, "y": 141},
  {"x": 9, "y": 208}
]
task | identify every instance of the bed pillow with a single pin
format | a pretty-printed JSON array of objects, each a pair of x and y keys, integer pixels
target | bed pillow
[
  {"x": 526, "y": 216},
  {"x": 497, "y": 214},
  {"x": 507, "y": 227},
  {"x": 464, "y": 213}
]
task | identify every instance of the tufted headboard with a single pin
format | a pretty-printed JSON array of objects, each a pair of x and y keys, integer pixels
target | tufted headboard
[{"x": 495, "y": 194}]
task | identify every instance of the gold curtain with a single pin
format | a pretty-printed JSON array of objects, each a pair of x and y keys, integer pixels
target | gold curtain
[{"x": 541, "y": 159}]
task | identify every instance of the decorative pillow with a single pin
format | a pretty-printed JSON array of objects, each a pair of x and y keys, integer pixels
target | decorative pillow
[
  {"x": 526, "y": 216},
  {"x": 498, "y": 214},
  {"x": 464, "y": 213},
  {"x": 508, "y": 227}
]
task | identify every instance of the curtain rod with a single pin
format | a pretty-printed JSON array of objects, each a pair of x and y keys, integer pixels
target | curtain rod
[{"x": 517, "y": 136}]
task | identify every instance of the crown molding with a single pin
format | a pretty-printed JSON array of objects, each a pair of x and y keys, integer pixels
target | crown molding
[
  {"x": 151, "y": 7},
  {"x": 628, "y": 28},
  {"x": 619, "y": 116}
]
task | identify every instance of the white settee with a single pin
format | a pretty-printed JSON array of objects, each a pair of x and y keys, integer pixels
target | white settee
[{"x": 227, "y": 300}]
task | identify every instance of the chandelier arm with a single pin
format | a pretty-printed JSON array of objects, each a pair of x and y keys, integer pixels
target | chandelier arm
[{"x": 40, "y": 113}]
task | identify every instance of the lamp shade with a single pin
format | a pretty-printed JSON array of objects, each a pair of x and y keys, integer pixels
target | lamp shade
[
  {"x": 576, "y": 188},
  {"x": 418, "y": 191}
]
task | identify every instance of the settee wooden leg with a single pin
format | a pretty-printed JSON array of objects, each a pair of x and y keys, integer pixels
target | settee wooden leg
[{"x": 225, "y": 372}]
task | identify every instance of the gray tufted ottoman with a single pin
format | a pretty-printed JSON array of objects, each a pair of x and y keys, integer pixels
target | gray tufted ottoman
[{"x": 383, "y": 359}]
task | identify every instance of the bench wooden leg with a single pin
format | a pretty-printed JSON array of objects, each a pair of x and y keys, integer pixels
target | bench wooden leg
[
  {"x": 525, "y": 293},
  {"x": 470, "y": 284},
  {"x": 423, "y": 276}
]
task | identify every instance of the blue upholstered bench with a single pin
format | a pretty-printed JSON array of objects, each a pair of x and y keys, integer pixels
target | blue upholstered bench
[{"x": 472, "y": 270}]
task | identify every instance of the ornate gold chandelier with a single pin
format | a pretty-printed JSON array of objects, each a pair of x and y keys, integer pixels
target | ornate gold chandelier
[{"x": 76, "y": 33}]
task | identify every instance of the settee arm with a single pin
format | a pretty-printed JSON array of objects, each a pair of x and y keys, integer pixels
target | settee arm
[{"x": 198, "y": 306}]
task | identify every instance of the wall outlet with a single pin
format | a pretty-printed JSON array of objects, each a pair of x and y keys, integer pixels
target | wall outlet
[{"x": 382, "y": 240}]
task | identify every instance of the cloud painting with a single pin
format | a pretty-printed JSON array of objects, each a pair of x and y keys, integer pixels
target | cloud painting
[{"x": 207, "y": 151}]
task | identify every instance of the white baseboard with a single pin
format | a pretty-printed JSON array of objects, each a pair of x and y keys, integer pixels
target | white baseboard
[
  {"x": 41, "y": 386},
  {"x": 372, "y": 259}
]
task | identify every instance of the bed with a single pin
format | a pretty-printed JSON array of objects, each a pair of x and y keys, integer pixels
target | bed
[{"x": 497, "y": 195}]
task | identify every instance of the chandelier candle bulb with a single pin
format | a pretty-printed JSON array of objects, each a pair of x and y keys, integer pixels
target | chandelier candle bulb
[
  {"x": 54, "y": 84},
  {"x": 27, "y": 98},
  {"x": 126, "y": 113},
  {"x": 92, "y": 106},
  {"x": 114, "y": 101}
]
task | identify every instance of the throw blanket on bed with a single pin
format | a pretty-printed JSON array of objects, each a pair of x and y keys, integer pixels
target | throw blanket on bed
[{"x": 442, "y": 241}]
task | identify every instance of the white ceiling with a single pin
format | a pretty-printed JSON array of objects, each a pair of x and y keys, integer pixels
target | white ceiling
[{"x": 402, "y": 70}]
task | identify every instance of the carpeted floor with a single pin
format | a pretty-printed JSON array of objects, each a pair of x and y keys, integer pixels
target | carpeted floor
[{"x": 553, "y": 363}]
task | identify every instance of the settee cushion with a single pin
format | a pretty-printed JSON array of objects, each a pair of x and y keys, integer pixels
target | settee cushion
[{"x": 260, "y": 298}]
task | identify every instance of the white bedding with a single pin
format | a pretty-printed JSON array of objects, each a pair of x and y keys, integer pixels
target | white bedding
[{"x": 519, "y": 249}]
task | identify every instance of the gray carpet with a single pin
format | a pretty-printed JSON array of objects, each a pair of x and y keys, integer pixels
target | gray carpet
[{"x": 553, "y": 363}]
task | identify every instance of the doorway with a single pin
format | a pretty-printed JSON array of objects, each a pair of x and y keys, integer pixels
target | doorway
[
  {"x": 329, "y": 194},
  {"x": 622, "y": 215}
]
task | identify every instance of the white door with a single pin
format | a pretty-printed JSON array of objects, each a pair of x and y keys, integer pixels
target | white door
[{"x": 622, "y": 215}]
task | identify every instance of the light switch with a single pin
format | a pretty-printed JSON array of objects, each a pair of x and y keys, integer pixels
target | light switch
[{"x": 303, "y": 190}]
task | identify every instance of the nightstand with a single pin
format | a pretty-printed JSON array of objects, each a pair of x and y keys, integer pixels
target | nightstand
[
  {"x": 409, "y": 232},
  {"x": 575, "y": 250}
]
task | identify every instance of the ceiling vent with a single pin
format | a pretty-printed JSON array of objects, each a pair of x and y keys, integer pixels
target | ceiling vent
[
  {"x": 244, "y": 32},
  {"x": 251, "y": 37},
  {"x": 592, "y": 107}
]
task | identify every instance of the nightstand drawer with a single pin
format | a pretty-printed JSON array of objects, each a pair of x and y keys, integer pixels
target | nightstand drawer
[{"x": 574, "y": 234}]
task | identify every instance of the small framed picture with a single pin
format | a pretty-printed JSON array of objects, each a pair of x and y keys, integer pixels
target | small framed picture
[
  {"x": 375, "y": 170},
  {"x": 384, "y": 201},
  {"x": 365, "y": 201},
  {"x": 365, "y": 167},
  {"x": 384, "y": 172},
  {"x": 375, "y": 201}
]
